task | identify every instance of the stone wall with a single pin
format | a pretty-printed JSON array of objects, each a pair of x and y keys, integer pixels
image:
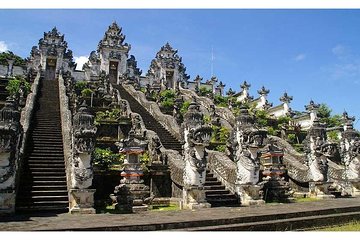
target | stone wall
[
  {"x": 78, "y": 75},
  {"x": 66, "y": 124},
  {"x": 3, "y": 70}
]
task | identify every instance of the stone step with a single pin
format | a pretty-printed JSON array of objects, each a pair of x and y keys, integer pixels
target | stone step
[
  {"x": 46, "y": 153},
  {"x": 211, "y": 192},
  {"x": 46, "y": 165},
  {"x": 52, "y": 168},
  {"x": 49, "y": 158},
  {"x": 48, "y": 173},
  {"x": 43, "y": 199},
  {"x": 37, "y": 182},
  {"x": 212, "y": 183},
  {"x": 222, "y": 196},
  {"x": 214, "y": 187},
  {"x": 49, "y": 193},
  {"x": 46, "y": 188}
]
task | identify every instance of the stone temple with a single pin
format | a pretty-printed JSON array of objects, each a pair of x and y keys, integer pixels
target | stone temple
[{"x": 76, "y": 141}]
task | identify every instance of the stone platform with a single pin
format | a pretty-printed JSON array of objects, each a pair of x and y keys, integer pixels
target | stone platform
[{"x": 269, "y": 217}]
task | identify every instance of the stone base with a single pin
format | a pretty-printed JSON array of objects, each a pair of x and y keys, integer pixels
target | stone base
[
  {"x": 355, "y": 192},
  {"x": 324, "y": 196},
  {"x": 82, "y": 201},
  {"x": 7, "y": 202},
  {"x": 251, "y": 202},
  {"x": 198, "y": 205},
  {"x": 123, "y": 208},
  {"x": 139, "y": 209},
  {"x": 194, "y": 198}
]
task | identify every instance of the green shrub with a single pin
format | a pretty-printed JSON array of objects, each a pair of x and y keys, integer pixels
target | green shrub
[
  {"x": 13, "y": 86},
  {"x": 333, "y": 135},
  {"x": 167, "y": 94},
  {"x": 184, "y": 107},
  {"x": 112, "y": 115},
  {"x": 86, "y": 92},
  {"x": 81, "y": 85},
  {"x": 291, "y": 138},
  {"x": 221, "y": 148},
  {"x": 203, "y": 91},
  {"x": 220, "y": 101},
  {"x": 271, "y": 131},
  {"x": 104, "y": 158}
]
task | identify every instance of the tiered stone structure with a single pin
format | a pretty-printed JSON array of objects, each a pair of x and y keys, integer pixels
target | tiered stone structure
[
  {"x": 52, "y": 54},
  {"x": 131, "y": 193},
  {"x": 167, "y": 69}
]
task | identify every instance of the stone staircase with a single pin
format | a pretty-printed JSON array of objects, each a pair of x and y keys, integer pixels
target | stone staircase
[
  {"x": 43, "y": 182},
  {"x": 168, "y": 140},
  {"x": 216, "y": 194}
]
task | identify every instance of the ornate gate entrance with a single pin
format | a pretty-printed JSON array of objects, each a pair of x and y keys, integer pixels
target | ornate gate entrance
[
  {"x": 50, "y": 69},
  {"x": 113, "y": 72}
]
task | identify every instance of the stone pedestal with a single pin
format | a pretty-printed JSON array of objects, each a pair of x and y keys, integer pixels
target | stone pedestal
[
  {"x": 250, "y": 195},
  {"x": 7, "y": 202},
  {"x": 194, "y": 198},
  {"x": 82, "y": 201},
  {"x": 319, "y": 190}
]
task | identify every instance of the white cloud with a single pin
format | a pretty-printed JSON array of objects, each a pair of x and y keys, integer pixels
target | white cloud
[
  {"x": 300, "y": 57},
  {"x": 3, "y": 46},
  {"x": 338, "y": 50},
  {"x": 80, "y": 61}
]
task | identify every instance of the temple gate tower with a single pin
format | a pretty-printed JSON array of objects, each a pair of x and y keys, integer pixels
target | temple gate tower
[
  {"x": 113, "y": 53},
  {"x": 52, "y": 55},
  {"x": 167, "y": 68}
]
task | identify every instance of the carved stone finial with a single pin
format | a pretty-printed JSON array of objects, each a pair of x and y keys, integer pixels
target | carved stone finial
[
  {"x": 245, "y": 86},
  {"x": 286, "y": 98},
  {"x": 312, "y": 106},
  {"x": 263, "y": 91}
]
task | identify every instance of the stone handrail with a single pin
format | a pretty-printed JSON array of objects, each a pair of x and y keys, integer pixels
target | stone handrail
[
  {"x": 335, "y": 171},
  {"x": 165, "y": 120},
  {"x": 224, "y": 113},
  {"x": 223, "y": 168},
  {"x": 25, "y": 120},
  {"x": 294, "y": 161},
  {"x": 66, "y": 128}
]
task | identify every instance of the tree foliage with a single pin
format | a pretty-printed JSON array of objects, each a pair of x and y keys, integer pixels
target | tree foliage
[{"x": 10, "y": 55}]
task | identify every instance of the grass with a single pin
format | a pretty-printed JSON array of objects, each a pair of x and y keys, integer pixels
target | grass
[
  {"x": 352, "y": 226},
  {"x": 306, "y": 199},
  {"x": 171, "y": 207}
]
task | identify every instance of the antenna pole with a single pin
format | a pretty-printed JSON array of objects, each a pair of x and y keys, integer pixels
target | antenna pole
[{"x": 212, "y": 61}]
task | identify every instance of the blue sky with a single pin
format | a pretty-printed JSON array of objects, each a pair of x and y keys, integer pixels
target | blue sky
[{"x": 311, "y": 54}]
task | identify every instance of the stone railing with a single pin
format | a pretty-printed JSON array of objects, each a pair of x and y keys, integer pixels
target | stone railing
[
  {"x": 25, "y": 119},
  {"x": 336, "y": 172},
  {"x": 224, "y": 113},
  {"x": 66, "y": 128},
  {"x": 167, "y": 121},
  {"x": 223, "y": 168},
  {"x": 294, "y": 161}
]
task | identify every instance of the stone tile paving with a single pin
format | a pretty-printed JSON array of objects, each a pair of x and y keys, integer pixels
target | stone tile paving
[{"x": 76, "y": 222}]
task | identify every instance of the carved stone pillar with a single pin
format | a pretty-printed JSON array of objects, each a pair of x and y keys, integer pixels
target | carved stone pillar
[
  {"x": 10, "y": 69},
  {"x": 350, "y": 157},
  {"x": 247, "y": 141},
  {"x": 84, "y": 133},
  {"x": 196, "y": 136},
  {"x": 10, "y": 137}
]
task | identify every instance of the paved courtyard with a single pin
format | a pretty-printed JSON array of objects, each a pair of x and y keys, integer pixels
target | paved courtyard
[{"x": 87, "y": 222}]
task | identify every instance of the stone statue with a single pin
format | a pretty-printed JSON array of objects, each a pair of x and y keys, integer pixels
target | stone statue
[
  {"x": 84, "y": 135},
  {"x": 196, "y": 135},
  {"x": 10, "y": 139}
]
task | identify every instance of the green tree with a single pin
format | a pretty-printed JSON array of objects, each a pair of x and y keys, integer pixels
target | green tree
[{"x": 10, "y": 55}]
